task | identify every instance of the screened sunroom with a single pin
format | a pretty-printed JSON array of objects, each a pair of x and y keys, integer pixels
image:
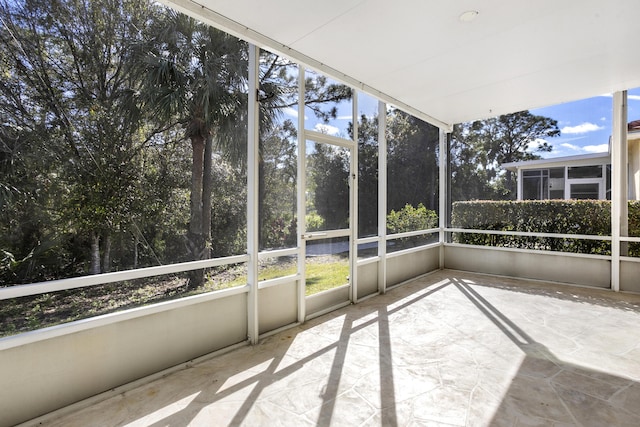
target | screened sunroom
[{"x": 253, "y": 213}]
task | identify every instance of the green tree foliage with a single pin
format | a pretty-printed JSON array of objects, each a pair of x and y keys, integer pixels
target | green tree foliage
[
  {"x": 65, "y": 89},
  {"x": 367, "y": 175},
  {"x": 96, "y": 101},
  {"x": 412, "y": 161},
  {"x": 329, "y": 174},
  {"x": 278, "y": 187},
  {"x": 479, "y": 148}
]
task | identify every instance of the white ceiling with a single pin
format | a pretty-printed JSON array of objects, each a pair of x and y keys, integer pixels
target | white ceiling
[{"x": 417, "y": 54}]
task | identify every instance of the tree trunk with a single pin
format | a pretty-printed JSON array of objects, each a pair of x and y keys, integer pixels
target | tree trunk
[
  {"x": 106, "y": 254},
  {"x": 136, "y": 242},
  {"x": 94, "y": 267},
  {"x": 195, "y": 223},
  {"x": 195, "y": 238},
  {"x": 207, "y": 189}
]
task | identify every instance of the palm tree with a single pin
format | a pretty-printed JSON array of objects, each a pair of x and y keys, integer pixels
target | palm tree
[{"x": 196, "y": 76}]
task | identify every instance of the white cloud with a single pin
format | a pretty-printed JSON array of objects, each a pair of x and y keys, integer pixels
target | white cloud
[
  {"x": 600, "y": 148},
  {"x": 290, "y": 112},
  {"x": 326, "y": 129},
  {"x": 570, "y": 146},
  {"x": 533, "y": 145},
  {"x": 581, "y": 128},
  {"x": 603, "y": 119}
]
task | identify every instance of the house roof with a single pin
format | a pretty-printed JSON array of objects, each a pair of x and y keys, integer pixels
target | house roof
[
  {"x": 421, "y": 56},
  {"x": 579, "y": 160}
]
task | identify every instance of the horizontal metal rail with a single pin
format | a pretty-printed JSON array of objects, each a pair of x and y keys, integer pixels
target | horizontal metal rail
[
  {"x": 412, "y": 233},
  {"x": 370, "y": 260},
  {"x": 278, "y": 253},
  {"x": 365, "y": 240},
  {"x": 328, "y": 139},
  {"x": 415, "y": 249},
  {"x": 263, "y": 284},
  {"x": 118, "y": 276},
  {"x": 529, "y": 234}
]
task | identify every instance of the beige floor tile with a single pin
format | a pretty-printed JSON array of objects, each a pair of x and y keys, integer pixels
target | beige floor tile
[{"x": 452, "y": 348}]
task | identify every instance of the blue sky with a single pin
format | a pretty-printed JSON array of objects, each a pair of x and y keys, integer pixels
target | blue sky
[{"x": 585, "y": 125}]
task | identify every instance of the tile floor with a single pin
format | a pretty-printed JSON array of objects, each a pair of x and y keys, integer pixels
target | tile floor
[{"x": 449, "y": 349}]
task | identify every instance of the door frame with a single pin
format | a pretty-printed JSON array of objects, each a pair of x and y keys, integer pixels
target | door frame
[{"x": 333, "y": 298}]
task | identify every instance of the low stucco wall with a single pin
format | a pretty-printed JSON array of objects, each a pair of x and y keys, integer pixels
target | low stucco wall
[
  {"x": 367, "y": 279},
  {"x": 556, "y": 267},
  {"x": 630, "y": 276},
  {"x": 277, "y": 306},
  {"x": 402, "y": 267},
  {"x": 48, "y": 374}
]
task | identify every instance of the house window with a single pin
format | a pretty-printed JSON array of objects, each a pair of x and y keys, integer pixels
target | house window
[
  {"x": 556, "y": 183},
  {"x": 578, "y": 172},
  {"x": 588, "y": 182},
  {"x": 535, "y": 184},
  {"x": 585, "y": 191},
  {"x": 542, "y": 184}
]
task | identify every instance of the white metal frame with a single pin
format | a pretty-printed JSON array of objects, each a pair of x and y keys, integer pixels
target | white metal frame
[
  {"x": 442, "y": 192},
  {"x": 305, "y": 135},
  {"x": 301, "y": 197},
  {"x": 619, "y": 214},
  {"x": 382, "y": 197},
  {"x": 253, "y": 155},
  {"x": 353, "y": 201},
  {"x": 618, "y": 232}
]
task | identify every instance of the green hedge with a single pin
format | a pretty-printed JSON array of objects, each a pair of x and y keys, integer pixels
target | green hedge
[{"x": 591, "y": 217}]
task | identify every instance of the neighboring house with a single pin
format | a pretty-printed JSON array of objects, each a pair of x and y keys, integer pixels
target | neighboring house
[{"x": 586, "y": 176}]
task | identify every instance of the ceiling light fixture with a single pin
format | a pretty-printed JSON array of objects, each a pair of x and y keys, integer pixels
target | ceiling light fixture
[{"x": 468, "y": 16}]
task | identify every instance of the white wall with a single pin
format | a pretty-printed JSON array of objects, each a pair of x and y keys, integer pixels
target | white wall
[
  {"x": 47, "y": 374},
  {"x": 557, "y": 267}
]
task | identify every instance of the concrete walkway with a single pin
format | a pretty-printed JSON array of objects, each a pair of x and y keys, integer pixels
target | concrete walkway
[{"x": 448, "y": 349}]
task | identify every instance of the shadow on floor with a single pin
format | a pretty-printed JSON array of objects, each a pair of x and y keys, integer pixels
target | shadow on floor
[{"x": 548, "y": 391}]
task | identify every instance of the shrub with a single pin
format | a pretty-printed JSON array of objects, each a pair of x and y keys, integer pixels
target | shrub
[
  {"x": 589, "y": 217},
  {"x": 314, "y": 221},
  {"x": 411, "y": 219}
]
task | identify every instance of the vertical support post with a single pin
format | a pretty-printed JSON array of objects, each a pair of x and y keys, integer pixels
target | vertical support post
[
  {"x": 382, "y": 197},
  {"x": 252, "y": 194},
  {"x": 353, "y": 201},
  {"x": 519, "y": 183},
  {"x": 443, "y": 197},
  {"x": 301, "y": 199},
  {"x": 619, "y": 204}
]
